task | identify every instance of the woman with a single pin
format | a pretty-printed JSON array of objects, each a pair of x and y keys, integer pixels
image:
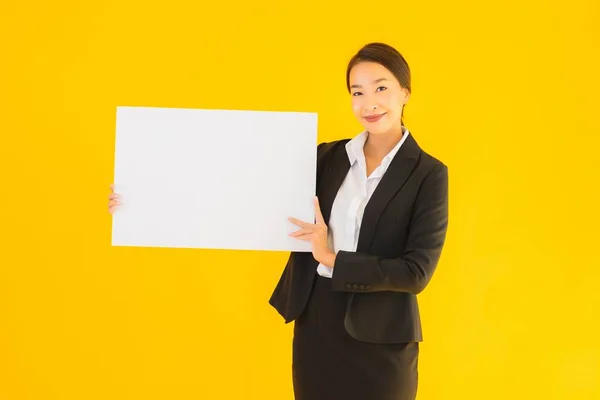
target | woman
[
  {"x": 381, "y": 220},
  {"x": 382, "y": 215}
]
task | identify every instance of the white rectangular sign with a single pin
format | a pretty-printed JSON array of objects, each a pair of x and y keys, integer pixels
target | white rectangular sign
[{"x": 217, "y": 179}]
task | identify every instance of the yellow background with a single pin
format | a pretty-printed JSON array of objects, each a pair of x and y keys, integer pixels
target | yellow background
[{"x": 504, "y": 93}]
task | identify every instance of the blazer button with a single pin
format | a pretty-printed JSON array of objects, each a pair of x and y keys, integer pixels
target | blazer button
[
  {"x": 355, "y": 286},
  {"x": 362, "y": 287},
  {"x": 348, "y": 286},
  {"x": 368, "y": 287}
]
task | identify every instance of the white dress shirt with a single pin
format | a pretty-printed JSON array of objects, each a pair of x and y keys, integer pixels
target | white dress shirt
[{"x": 352, "y": 197}]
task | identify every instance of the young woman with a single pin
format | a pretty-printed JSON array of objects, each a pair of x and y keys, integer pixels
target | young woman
[
  {"x": 381, "y": 221},
  {"x": 382, "y": 216}
]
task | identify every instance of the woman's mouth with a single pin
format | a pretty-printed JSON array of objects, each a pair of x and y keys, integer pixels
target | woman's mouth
[{"x": 374, "y": 118}]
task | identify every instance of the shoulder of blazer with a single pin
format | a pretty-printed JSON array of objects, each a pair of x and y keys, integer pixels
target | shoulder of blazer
[
  {"x": 325, "y": 151},
  {"x": 431, "y": 161},
  {"x": 427, "y": 160}
]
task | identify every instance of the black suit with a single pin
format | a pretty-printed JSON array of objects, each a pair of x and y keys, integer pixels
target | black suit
[
  {"x": 356, "y": 334},
  {"x": 400, "y": 242}
]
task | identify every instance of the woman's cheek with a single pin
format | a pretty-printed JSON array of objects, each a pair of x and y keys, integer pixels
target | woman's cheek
[
  {"x": 396, "y": 102},
  {"x": 389, "y": 100},
  {"x": 356, "y": 107}
]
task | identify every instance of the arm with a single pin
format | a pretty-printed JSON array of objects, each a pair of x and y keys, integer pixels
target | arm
[{"x": 411, "y": 272}]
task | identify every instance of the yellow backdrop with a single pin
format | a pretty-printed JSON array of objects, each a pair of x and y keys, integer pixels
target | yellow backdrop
[{"x": 505, "y": 94}]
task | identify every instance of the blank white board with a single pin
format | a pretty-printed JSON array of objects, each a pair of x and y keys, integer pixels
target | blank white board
[{"x": 213, "y": 179}]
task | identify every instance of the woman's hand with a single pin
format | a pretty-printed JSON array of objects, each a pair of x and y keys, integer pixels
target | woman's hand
[
  {"x": 317, "y": 235},
  {"x": 114, "y": 200}
]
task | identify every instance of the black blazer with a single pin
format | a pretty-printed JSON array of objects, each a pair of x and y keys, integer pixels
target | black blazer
[{"x": 400, "y": 243}]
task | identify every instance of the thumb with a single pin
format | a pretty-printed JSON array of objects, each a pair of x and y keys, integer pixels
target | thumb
[{"x": 318, "y": 215}]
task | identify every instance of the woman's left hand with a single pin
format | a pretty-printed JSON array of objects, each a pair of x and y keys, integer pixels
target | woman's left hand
[{"x": 317, "y": 234}]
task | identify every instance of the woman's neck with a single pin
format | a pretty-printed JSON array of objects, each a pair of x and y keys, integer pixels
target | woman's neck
[{"x": 378, "y": 146}]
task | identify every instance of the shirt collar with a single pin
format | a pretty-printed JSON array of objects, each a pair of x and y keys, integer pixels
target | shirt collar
[{"x": 355, "y": 148}]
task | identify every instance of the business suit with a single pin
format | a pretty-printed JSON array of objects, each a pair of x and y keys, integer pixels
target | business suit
[{"x": 401, "y": 238}]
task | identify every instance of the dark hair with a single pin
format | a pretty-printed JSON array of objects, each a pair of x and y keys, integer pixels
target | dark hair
[{"x": 385, "y": 55}]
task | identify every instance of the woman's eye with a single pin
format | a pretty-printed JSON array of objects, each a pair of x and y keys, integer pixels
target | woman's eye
[
  {"x": 356, "y": 93},
  {"x": 381, "y": 87}
]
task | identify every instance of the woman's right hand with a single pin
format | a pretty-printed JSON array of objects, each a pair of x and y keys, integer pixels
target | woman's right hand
[{"x": 114, "y": 200}]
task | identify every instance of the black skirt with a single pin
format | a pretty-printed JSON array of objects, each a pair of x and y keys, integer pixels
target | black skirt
[{"x": 329, "y": 364}]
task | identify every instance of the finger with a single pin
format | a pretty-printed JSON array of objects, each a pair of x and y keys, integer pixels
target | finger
[
  {"x": 307, "y": 237},
  {"x": 318, "y": 215},
  {"x": 112, "y": 188},
  {"x": 114, "y": 196},
  {"x": 299, "y": 223},
  {"x": 114, "y": 203},
  {"x": 301, "y": 232}
]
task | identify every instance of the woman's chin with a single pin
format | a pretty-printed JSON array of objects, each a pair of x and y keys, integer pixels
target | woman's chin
[
  {"x": 381, "y": 128},
  {"x": 376, "y": 129}
]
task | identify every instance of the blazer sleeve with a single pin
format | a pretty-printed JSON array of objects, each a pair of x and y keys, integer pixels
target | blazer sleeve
[{"x": 411, "y": 272}]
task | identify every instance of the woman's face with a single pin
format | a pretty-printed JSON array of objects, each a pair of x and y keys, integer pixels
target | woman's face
[{"x": 377, "y": 98}]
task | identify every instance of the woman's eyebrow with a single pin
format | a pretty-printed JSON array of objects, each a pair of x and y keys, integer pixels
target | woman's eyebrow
[{"x": 375, "y": 81}]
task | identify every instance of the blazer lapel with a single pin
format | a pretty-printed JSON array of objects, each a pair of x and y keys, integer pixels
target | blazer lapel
[{"x": 392, "y": 181}]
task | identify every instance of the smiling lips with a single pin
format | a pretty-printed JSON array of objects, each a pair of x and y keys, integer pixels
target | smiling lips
[{"x": 374, "y": 118}]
